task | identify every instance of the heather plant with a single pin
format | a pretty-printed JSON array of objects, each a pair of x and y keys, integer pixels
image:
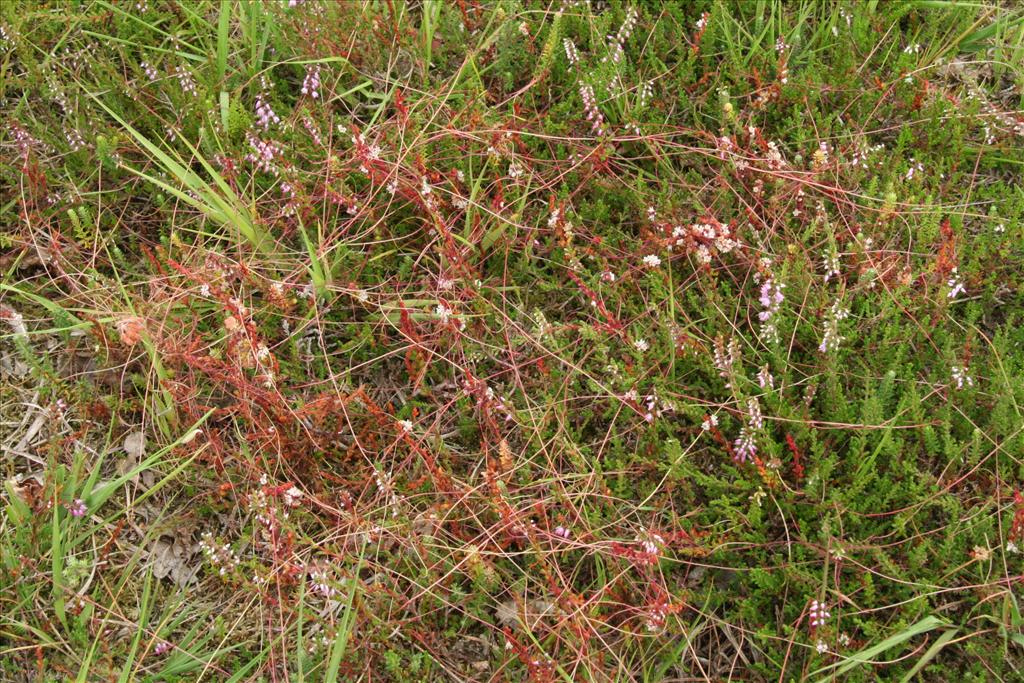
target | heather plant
[{"x": 511, "y": 341}]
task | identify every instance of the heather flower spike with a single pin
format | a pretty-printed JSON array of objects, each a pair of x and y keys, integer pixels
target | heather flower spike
[{"x": 818, "y": 614}]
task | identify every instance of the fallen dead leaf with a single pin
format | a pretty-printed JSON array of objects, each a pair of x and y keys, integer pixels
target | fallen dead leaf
[{"x": 171, "y": 558}]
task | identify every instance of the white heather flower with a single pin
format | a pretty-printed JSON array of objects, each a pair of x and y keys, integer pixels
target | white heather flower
[
  {"x": 915, "y": 168},
  {"x": 831, "y": 262},
  {"x": 961, "y": 377},
  {"x": 821, "y": 647},
  {"x": 641, "y": 345},
  {"x": 818, "y": 614},
  {"x": 571, "y": 54},
  {"x": 709, "y": 422},
  {"x": 831, "y": 339},
  {"x": 188, "y": 85},
  {"x": 1011, "y": 547},
  {"x": 956, "y": 285},
  {"x": 652, "y": 261},
  {"x": 771, "y": 299}
]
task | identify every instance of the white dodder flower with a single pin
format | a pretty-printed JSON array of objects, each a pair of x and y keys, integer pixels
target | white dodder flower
[
  {"x": 443, "y": 312},
  {"x": 292, "y": 497},
  {"x": 652, "y": 261}
]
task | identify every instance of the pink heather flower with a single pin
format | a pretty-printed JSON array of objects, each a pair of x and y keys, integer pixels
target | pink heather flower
[
  {"x": 78, "y": 508},
  {"x": 725, "y": 358},
  {"x": 161, "y": 647},
  {"x": 264, "y": 114},
  {"x": 590, "y": 107},
  {"x": 818, "y": 614},
  {"x": 771, "y": 297},
  {"x": 151, "y": 73},
  {"x": 616, "y": 43},
  {"x": 745, "y": 448},
  {"x": 311, "y": 84},
  {"x": 562, "y": 532},
  {"x": 263, "y": 154}
]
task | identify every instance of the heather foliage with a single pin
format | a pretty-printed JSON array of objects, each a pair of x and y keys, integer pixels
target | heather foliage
[{"x": 511, "y": 341}]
